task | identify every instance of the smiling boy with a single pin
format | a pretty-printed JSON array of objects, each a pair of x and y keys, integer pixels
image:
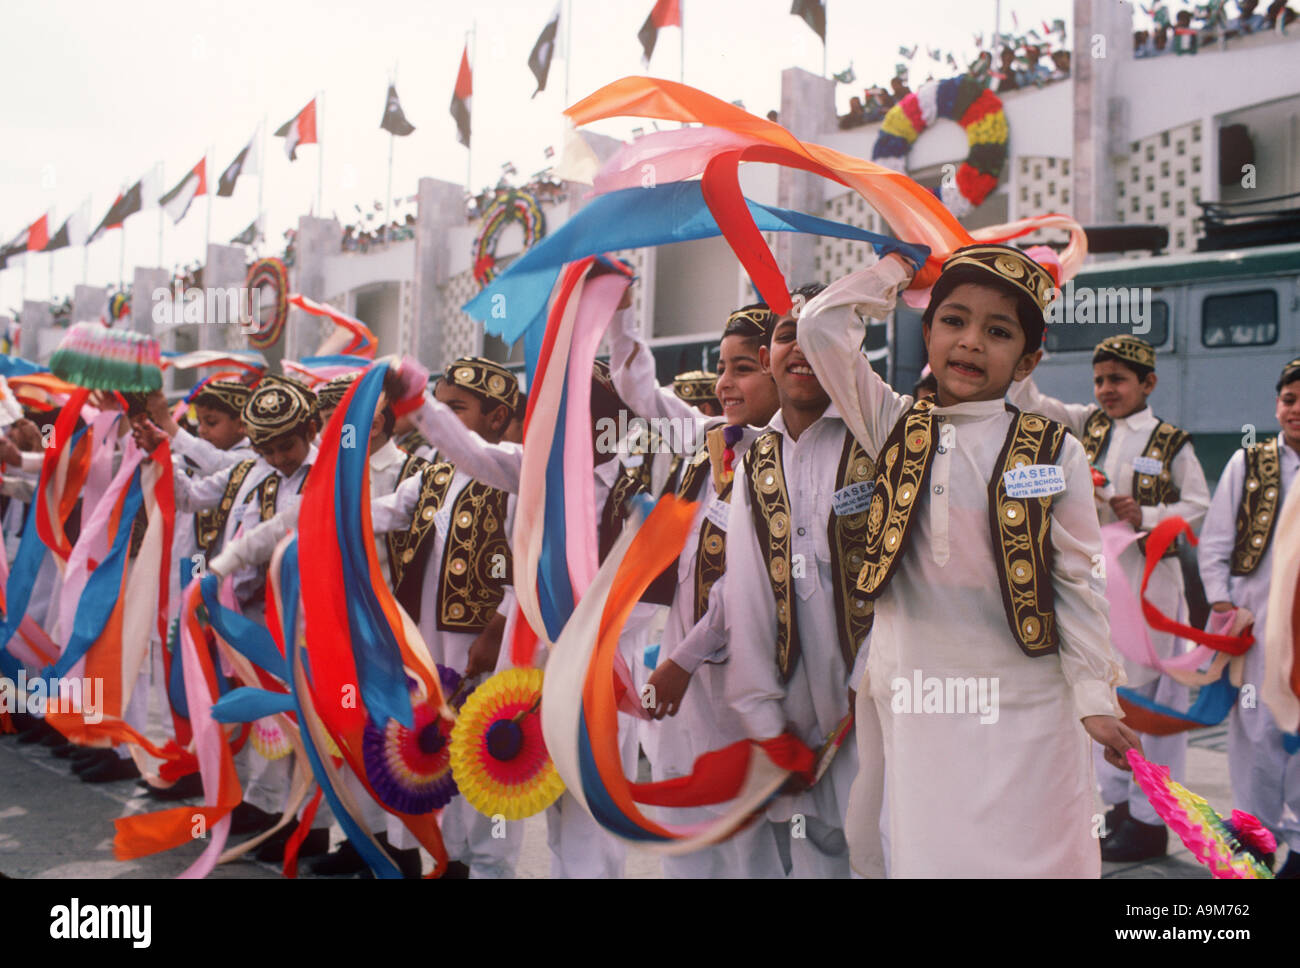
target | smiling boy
[{"x": 969, "y": 580}]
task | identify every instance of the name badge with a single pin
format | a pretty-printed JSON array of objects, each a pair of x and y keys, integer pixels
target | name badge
[
  {"x": 717, "y": 512},
  {"x": 1148, "y": 465},
  {"x": 852, "y": 499},
  {"x": 1035, "y": 480}
]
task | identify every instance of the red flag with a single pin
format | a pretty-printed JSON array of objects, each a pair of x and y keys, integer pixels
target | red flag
[
  {"x": 300, "y": 130},
  {"x": 461, "y": 97},
  {"x": 666, "y": 13},
  {"x": 38, "y": 234},
  {"x": 177, "y": 201}
]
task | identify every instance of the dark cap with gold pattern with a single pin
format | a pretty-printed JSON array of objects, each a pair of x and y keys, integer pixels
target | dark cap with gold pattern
[
  {"x": 229, "y": 395},
  {"x": 331, "y": 393},
  {"x": 280, "y": 405},
  {"x": 1006, "y": 265},
  {"x": 696, "y": 387},
  {"x": 1131, "y": 349},
  {"x": 485, "y": 379},
  {"x": 1290, "y": 373},
  {"x": 753, "y": 321}
]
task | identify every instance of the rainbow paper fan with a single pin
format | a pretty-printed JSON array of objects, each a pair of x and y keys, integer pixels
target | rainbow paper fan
[
  {"x": 410, "y": 769},
  {"x": 97, "y": 358},
  {"x": 498, "y": 755},
  {"x": 1229, "y": 848},
  {"x": 269, "y": 739}
]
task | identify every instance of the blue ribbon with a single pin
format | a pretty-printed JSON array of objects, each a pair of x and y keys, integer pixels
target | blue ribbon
[
  {"x": 251, "y": 639},
  {"x": 1213, "y": 703},
  {"x": 635, "y": 218}
]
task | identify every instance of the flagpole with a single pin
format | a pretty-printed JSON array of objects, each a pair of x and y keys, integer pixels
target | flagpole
[
  {"x": 121, "y": 259},
  {"x": 681, "y": 15},
  {"x": 162, "y": 180},
  {"x": 568, "y": 47},
  {"x": 388, "y": 199},
  {"x": 261, "y": 180},
  {"x": 207, "y": 232},
  {"x": 320, "y": 159},
  {"x": 826, "y": 14},
  {"x": 472, "y": 41}
]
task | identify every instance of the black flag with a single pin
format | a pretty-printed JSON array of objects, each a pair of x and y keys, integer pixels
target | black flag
[
  {"x": 128, "y": 203},
  {"x": 249, "y": 235},
  {"x": 245, "y": 163},
  {"x": 394, "y": 120},
  {"x": 813, "y": 13},
  {"x": 539, "y": 61}
]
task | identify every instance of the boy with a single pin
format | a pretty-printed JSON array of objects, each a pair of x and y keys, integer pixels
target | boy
[
  {"x": 1155, "y": 475},
  {"x": 795, "y": 625},
  {"x": 959, "y": 571},
  {"x": 1236, "y": 561},
  {"x": 693, "y": 644}
]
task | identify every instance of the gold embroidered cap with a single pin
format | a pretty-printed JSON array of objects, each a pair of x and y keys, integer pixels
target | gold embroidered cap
[
  {"x": 230, "y": 394},
  {"x": 331, "y": 393},
  {"x": 696, "y": 386},
  {"x": 1289, "y": 372},
  {"x": 486, "y": 379},
  {"x": 1010, "y": 265},
  {"x": 1129, "y": 348},
  {"x": 279, "y": 405},
  {"x": 751, "y": 321}
]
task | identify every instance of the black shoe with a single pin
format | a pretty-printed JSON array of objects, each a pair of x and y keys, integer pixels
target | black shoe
[
  {"x": 65, "y": 751},
  {"x": 1291, "y": 869},
  {"x": 85, "y": 753},
  {"x": 22, "y": 722},
  {"x": 456, "y": 871},
  {"x": 96, "y": 758},
  {"x": 35, "y": 732},
  {"x": 54, "y": 739},
  {"x": 314, "y": 844},
  {"x": 111, "y": 771},
  {"x": 1115, "y": 818},
  {"x": 187, "y": 786},
  {"x": 248, "y": 819},
  {"x": 345, "y": 860},
  {"x": 1136, "y": 841}
]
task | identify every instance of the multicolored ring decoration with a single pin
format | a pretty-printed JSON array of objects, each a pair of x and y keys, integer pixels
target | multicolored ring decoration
[
  {"x": 977, "y": 109},
  {"x": 410, "y": 769},
  {"x": 269, "y": 272},
  {"x": 119, "y": 306},
  {"x": 513, "y": 206}
]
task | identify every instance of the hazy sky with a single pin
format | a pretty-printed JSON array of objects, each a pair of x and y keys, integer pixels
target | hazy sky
[{"x": 96, "y": 93}]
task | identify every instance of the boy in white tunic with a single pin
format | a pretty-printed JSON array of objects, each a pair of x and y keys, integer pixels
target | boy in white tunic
[
  {"x": 693, "y": 646},
  {"x": 795, "y": 625},
  {"x": 1236, "y": 561},
  {"x": 974, "y": 587},
  {"x": 1154, "y": 475}
]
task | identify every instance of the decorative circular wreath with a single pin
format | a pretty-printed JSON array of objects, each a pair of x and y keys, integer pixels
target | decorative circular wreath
[
  {"x": 119, "y": 306},
  {"x": 410, "y": 769},
  {"x": 509, "y": 207},
  {"x": 268, "y": 272},
  {"x": 977, "y": 109}
]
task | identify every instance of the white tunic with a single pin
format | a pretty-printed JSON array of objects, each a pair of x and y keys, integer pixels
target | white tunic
[
  {"x": 1011, "y": 797},
  {"x": 1265, "y": 779}
]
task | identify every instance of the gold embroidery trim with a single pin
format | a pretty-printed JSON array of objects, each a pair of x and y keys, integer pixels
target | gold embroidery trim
[
  {"x": 209, "y": 525},
  {"x": 771, "y": 512},
  {"x": 476, "y": 564},
  {"x": 1021, "y": 529},
  {"x": 402, "y": 545},
  {"x": 710, "y": 558},
  {"x": 900, "y": 477},
  {"x": 1261, "y": 493},
  {"x": 846, "y": 533}
]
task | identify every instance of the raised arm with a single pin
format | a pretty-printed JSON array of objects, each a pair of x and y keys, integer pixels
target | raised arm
[
  {"x": 496, "y": 465},
  {"x": 207, "y": 458},
  {"x": 1026, "y": 395},
  {"x": 632, "y": 368},
  {"x": 830, "y": 334}
]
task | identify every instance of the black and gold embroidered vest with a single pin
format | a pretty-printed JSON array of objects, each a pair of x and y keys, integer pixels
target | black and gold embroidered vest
[
  {"x": 770, "y": 500},
  {"x": 1261, "y": 496},
  {"x": 408, "y": 551},
  {"x": 411, "y": 441},
  {"x": 1163, "y": 445},
  {"x": 711, "y": 548},
  {"x": 210, "y": 525},
  {"x": 1020, "y": 527}
]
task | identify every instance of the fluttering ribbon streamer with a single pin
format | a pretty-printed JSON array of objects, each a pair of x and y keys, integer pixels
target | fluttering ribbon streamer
[
  {"x": 352, "y": 338},
  {"x": 365, "y": 660},
  {"x": 911, "y": 212},
  {"x": 579, "y": 707},
  {"x": 1217, "y": 694},
  {"x": 245, "y": 361},
  {"x": 635, "y": 217},
  {"x": 314, "y": 370}
]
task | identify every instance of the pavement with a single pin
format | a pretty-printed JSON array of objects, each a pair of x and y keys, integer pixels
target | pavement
[{"x": 54, "y": 826}]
